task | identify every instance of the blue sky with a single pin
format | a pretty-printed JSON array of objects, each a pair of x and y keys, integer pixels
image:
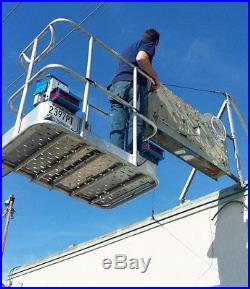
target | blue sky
[{"x": 203, "y": 45}]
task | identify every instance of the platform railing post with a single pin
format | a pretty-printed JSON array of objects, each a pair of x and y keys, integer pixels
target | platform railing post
[
  {"x": 86, "y": 89},
  {"x": 135, "y": 116},
  {"x": 25, "y": 90},
  {"x": 234, "y": 139}
]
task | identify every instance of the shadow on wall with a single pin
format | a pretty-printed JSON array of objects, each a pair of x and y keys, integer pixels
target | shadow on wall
[{"x": 230, "y": 243}]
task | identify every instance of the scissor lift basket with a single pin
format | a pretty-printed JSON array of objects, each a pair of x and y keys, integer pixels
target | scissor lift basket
[{"x": 87, "y": 168}]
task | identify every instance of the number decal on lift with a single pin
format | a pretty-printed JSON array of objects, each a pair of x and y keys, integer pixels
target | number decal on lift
[
  {"x": 61, "y": 114},
  {"x": 51, "y": 109}
]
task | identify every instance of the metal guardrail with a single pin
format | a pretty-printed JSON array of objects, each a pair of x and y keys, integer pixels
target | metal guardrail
[
  {"x": 32, "y": 46},
  {"x": 88, "y": 82},
  {"x": 50, "y": 28},
  {"x": 84, "y": 80},
  {"x": 23, "y": 55}
]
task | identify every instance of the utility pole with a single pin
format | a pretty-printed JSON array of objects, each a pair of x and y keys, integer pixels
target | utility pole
[{"x": 9, "y": 213}]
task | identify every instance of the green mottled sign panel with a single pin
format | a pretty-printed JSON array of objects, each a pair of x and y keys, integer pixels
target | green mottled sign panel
[{"x": 187, "y": 133}]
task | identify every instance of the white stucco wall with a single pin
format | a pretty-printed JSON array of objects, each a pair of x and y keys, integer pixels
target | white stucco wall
[{"x": 186, "y": 248}]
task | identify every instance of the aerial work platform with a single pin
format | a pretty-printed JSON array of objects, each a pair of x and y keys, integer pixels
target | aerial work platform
[
  {"x": 84, "y": 167},
  {"x": 55, "y": 147}
]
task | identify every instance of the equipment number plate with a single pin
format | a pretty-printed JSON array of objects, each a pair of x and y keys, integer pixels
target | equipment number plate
[{"x": 62, "y": 116}]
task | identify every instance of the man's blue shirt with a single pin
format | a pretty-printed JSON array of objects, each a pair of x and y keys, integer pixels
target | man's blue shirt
[{"x": 125, "y": 72}]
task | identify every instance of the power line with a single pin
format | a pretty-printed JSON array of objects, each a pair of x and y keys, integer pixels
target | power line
[
  {"x": 100, "y": 13},
  {"x": 71, "y": 31},
  {"x": 13, "y": 82},
  {"x": 59, "y": 43},
  {"x": 85, "y": 9},
  {"x": 11, "y": 11}
]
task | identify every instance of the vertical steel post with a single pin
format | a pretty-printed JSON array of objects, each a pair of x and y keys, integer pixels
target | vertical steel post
[
  {"x": 182, "y": 197},
  {"x": 9, "y": 215},
  {"x": 135, "y": 116},
  {"x": 86, "y": 89},
  {"x": 233, "y": 137},
  {"x": 25, "y": 90},
  {"x": 87, "y": 113}
]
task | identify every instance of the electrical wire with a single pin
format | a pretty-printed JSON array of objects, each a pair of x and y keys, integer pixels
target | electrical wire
[
  {"x": 87, "y": 9},
  {"x": 104, "y": 10},
  {"x": 194, "y": 88},
  {"x": 228, "y": 203},
  {"x": 59, "y": 43},
  {"x": 211, "y": 250},
  {"x": 168, "y": 85},
  {"x": 194, "y": 253},
  {"x": 225, "y": 94},
  {"x": 13, "y": 82},
  {"x": 74, "y": 29},
  {"x": 11, "y": 12},
  {"x": 212, "y": 237}
]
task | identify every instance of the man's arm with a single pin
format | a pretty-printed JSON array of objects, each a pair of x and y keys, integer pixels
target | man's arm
[{"x": 143, "y": 61}]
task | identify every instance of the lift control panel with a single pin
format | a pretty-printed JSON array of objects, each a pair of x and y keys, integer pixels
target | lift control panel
[{"x": 56, "y": 91}]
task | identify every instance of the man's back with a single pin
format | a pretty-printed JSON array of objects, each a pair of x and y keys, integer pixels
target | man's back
[
  {"x": 140, "y": 54},
  {"x": 124, "y": 71}
]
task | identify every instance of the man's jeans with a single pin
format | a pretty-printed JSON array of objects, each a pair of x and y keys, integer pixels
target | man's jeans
[{"x": 122, "y": 117}]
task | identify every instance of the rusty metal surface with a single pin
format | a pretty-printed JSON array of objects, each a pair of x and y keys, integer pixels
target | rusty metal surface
[{"x": 187, "y": 133}]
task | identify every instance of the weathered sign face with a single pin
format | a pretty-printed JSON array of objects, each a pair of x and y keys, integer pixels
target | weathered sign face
[{"x": 196, "y": 138}]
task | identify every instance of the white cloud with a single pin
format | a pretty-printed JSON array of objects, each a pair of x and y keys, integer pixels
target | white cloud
[
  {"x": 200, "y": 51},
  {"x": 203, "y": 56}
]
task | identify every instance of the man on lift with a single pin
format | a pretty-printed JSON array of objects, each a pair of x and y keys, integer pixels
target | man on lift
[{"x": 140, "y": 54}]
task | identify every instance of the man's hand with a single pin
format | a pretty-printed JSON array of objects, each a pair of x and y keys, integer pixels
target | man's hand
[{"x": 155, "y": 87}]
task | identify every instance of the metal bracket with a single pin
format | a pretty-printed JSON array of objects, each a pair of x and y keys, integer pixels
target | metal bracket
[{"x": 226, "y": 105}]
